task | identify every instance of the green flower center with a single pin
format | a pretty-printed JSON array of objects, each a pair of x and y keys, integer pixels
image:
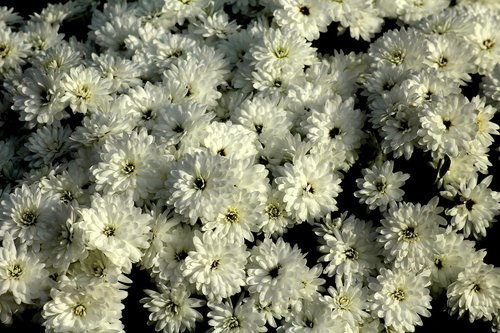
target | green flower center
[
  {"x": 67, "y": 196},
  {"x": 399, "y": 294},
  {"x": 199, "y": 183},
  {"x": 442, "y": 61},
  {"x": 84, "y": 93},
  {"x": 5, "y": 50},
  {"x": 274, "y": 272},
  {"x": 488, "y": 44},
  {"x": 343, "y": 302},
  {"x": 128, "y": 168},
  {"x": 171, "y": 307},
  {"x": 273, "y": 211},
  {"x": 281, "y": 52},
  {"x": 397, "y": 57},
  {"x": 15, "y": 271},
  {"x": 28, "y": 217},
  {"x": 109, "y": 230},
  {"x": 79, "y": 310},
  {"x": 304, "y": 11},
  {"x": 231, "y": 322},
  {"x": 351, "y": 254},
  {"x": 409, "y": 234},
  {"x": 215, "y": 264},
  {"x": 232, "y": 216}
]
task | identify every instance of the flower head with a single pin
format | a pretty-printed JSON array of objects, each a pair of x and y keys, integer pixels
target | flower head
[
  {"x": 172, "y": 309},
  {"x": 380, "y": 186},
  {"x": 215, "y": 266},
  {"x": 400, "y": 297}
]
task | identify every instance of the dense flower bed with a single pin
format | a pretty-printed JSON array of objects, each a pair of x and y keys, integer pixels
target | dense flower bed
[{"x": 249, "y": 165}]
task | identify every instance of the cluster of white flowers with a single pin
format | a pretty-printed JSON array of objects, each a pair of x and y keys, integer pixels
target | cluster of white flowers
[{"x": 188, "y": 138}]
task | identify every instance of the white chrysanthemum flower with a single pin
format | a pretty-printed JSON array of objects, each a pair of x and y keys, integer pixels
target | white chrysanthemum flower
[
  {"x": 199, "y": 79},
  {"x": 476, "y": 292},
  {"x": 476, "y": 208},
  {"x": 263, "y": 116},
  {"x": 448, "y": 126},
  {"x": 272, "y": 274},
  {"x": 129, "y": 163},
  {"x": 450, "y": 21},
  {"x": 427, "y": 86},
  {"x": 68, "y": 186},
  {"x": 408, "y": 233},
  {"x": 313, "y": 317},
  {"x": 216, "y": 266},
  {"x": 8, "y": 305},
  {"x": 47, "y": 144},
  {"x": 306, "y": 95},
  {"x": 56, "y": 13},
  {"x": 215, "y": 26},
  {"x": 252, "y": 178},
  {"x": 181, "y": 125},
  {"x": 28, "y": 215},
  {"x": 97, "y": 268},
  {"x": 328, "y": 223},
  {"x": 276, "y": 83},
  {"x": 112, "y": 25},
  {"x": 113, "y": 118},
  {"x": 239, "y": 219},
  {"x": 231, "y": 140},
  {"x": 442, "y": 55},
  {"x": 400, "y": 297},
  {"x": 58, "y": 59},
  {"x": 67, "y": 243},
  {"x": 85, "y": 89},
  {"x": 242, "y": 318},
  {"x": 8, "y": 16},
  {"x": 123, "y": 72},
  {"x": 309, "y": 187},
  {"x": 199, "y": 183},
  {"x": 13, "y": 49},
  {"x": 42, "y": 35},
  {"x": 380, "y": 185},
  {"x": 21, "y": 272},
  {"x": 172, "y": 310},
  {"x": 146, "y": 103},
  {"x": 491, "y": 83},
  {"x": 114, "y": 226},
  {"x": 154, "y": 13},
  {"x": 451, "y": 255},
  {"x": 39, "y": 98},
  {"x": 338, "y": 124},
  {"x": 363, "y": 18},
  {"x": 304, "y": 17},
  {"x": 348, "y": 302},
  {"x": 398, "y": 48},
  {"x": 484, "y": 41},
  {"x": 80, "y": 306},
  {"x": 379, "y": 82},
  {"x": 186, "y": 9},
  {"x": 397, "y": 121},
  {"x": 484, "y": 119},
  {"x": 411, "y": 11},
  {"x": 310, "y": 283},
  {"x": 465, "y": 166},
  {"x": 276, "y": 219},
  {"x": 350, "y": 249},
  {"x": 162, "y": 224},
  {"x": 169, "y": 260},
  {"x": 336, "y": 74},
  {"x": 280, "y": 48}
]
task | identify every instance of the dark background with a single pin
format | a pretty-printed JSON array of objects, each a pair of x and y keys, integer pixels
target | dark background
[{"x": 134, "y": 315}]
